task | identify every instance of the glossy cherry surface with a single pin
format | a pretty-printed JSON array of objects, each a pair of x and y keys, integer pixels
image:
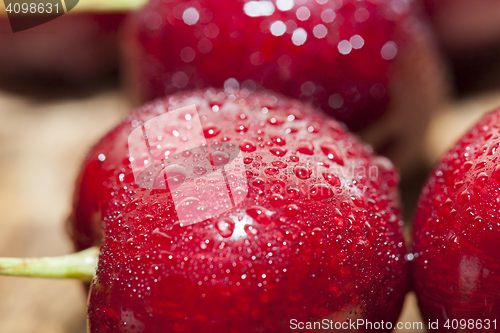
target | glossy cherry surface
[
  {"x": 334, "y": 53},
  {"x": 456, "y": 263},
  {"x": 317, "y": 234}
]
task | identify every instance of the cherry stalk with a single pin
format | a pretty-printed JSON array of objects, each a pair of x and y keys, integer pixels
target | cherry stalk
[
  {"x": 80, "y": 265},
  {"x": 96, "y": 6}
]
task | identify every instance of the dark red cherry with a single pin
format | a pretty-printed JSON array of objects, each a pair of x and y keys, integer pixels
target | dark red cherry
[
  {"x": 457, "y": 234},
  {"x": 274, "y": 246}
]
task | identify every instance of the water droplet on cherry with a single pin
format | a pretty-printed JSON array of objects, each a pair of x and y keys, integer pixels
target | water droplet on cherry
[
  {"x": 247, "y": 146},
  {"x": 199, "y": 170},
  {"x": 220, "y": 158},
  {"x": 241, "y": 128},
  {"x": 260, "y": 214},
  {"x": 332, "y": 178},
  {"x": 225, "y": 227},
  {"x": 321, "y": 191},
  {"x": 279, "y": 164},
  {"x": 302, "y": 172},
  {"x": 250, "y": 230},
  {"x": 306, "y": 148},
  {"x": 278, "y": 151},
  {"x": 271, "y": 171},
  {"x": 277, "y": 200},
  {"x": 332, "y": 154},
  {"x": 211, "y": 131},
  {"x": 278, "y": 140},
  {"x": 292, "y": 210}
]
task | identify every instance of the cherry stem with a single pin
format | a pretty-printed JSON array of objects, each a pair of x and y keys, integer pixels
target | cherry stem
[
  {"x": 97, "y": 6},
  {"x": 100, "y": 6},
  {"x": 81, "y": 265}
]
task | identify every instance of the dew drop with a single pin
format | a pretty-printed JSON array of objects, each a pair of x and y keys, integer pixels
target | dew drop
[
  {"x": 187, "y": 206},
  {"x": 211, "y": 131},
  {"x": 279, "y": 164},
  {"x": 277, "y": 140},
  {"x": 332, "y": 154},
  {"x": 259, "y": 182},
  {"x": 358, "y": 201},
  {"x": 480, "y": 165},
  {"x": 292, "y": 192},
  {"x": 316, "y": 235},
  {"x": 306, "y": 148},
  {"x": 250, "y": 230},
  {"x": 466, "y": 166},
  {"x": 220, "y": 158},
  {"x": 464, "y": 197},
  {"x": 302, "y": 172},
  {"x": 174, "y": 174},
  {"x": 271, "y": 171},
  {"x": 187, "y": 153},
  {"x": 275, "y": 121},
  {"x": 277, "y": 200},
  {"x": 225, "y": 227},
  {"x": 247, "y": 146},
  {"x": 481, "y": 179},
  {"x": 278, "y": 151},
  {"x": 292, "y": 210},
  {"x": 239, "y": 194},
  {"x": 494, "y": 148},
  {"x": 199, "y": 170},
  {"x": 241, "y": 128},
  {"x": 206, "y": 243},
  {"x": 321, "y": 191},
  {"x": 260, "y": 214},
  {"x": 331, "y": 178},
  {"x": 314, "y": 128}
]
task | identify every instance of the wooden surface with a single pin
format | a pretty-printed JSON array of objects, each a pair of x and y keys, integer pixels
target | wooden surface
[{"x": 42, "y": 143}]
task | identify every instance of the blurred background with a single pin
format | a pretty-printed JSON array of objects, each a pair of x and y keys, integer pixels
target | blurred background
[{"x": 51, "y": 112}]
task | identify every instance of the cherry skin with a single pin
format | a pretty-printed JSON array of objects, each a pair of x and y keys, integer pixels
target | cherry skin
[
  {"x": 457, "y": 233},
  {"x": 316, "y": 235},
  {"x": 370, "y": 64},
  {"x": 336, "y": 54}
]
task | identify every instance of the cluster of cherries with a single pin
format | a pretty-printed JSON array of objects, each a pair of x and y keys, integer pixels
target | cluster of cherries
[{"x": 311, "y": 229}]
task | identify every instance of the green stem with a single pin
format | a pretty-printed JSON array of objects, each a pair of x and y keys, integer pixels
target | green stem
[
  {"x": 81, "y": 265},
  {"x": 108, "y": 5},
  {"x": 98, "y": 6}
]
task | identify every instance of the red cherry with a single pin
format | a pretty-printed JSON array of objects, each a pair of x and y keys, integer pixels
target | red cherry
[
  {"x": 457, "y": 233},
  {"x": 370, "y": 64},
  {"x": 336, "y": 54},
  {"x": 292, "y": 248}
]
